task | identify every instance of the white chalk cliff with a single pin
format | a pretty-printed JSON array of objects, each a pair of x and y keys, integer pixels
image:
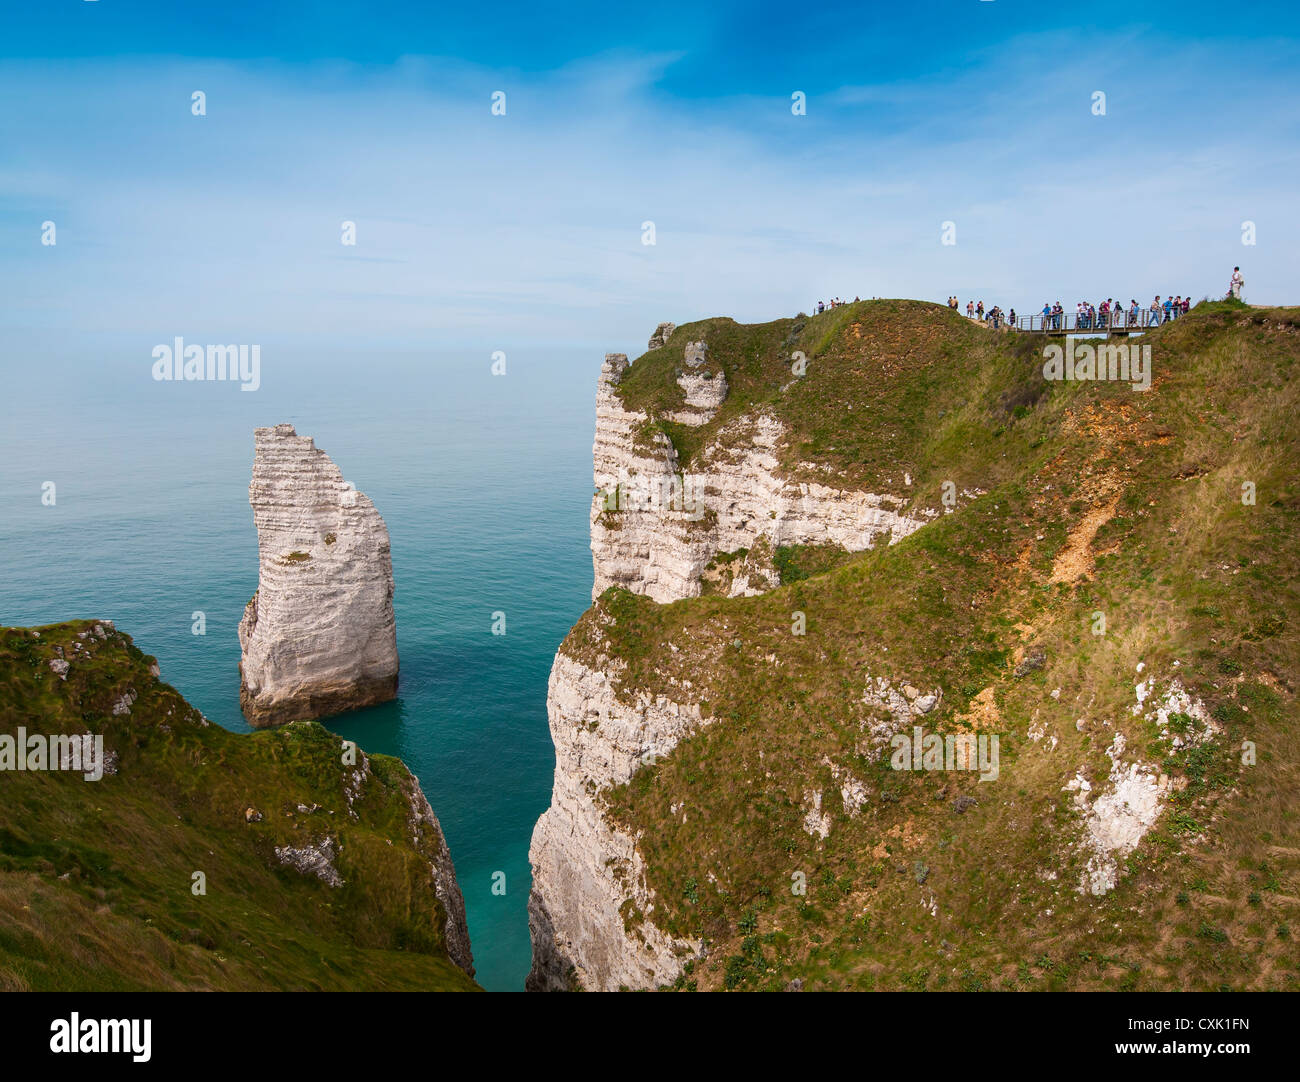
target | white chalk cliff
[
  {"x": 653, "y": 531},
  {"x": 319, "y": 636},
  {"x": 590, "y": 913},
  {"x": 655, "y": 528}
]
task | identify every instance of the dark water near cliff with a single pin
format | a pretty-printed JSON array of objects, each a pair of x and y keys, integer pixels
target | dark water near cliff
[{"x": 484, "y": 483}]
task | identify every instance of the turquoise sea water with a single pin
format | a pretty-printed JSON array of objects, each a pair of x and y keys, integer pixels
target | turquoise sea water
[{"x": 484, "y": 482}]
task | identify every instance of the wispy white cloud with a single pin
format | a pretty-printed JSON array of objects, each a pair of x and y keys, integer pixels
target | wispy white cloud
[{"x": 481, "y": 231}]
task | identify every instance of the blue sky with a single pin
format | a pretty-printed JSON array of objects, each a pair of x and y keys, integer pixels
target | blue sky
[{"x": 479, "y": 232}]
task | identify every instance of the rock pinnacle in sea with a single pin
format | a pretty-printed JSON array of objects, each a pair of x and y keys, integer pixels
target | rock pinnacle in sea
[{"x": 319, "y": 636}]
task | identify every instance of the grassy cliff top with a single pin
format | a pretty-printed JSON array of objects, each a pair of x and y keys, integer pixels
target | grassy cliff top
[
  {"x": 96, "y": 876},
  {"x": 887, "y": 383},
  {"x": 1113, "y": 532}
]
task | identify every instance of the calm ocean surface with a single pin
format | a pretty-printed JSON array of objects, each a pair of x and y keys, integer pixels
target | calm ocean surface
[{"x": 484, "y": 483}]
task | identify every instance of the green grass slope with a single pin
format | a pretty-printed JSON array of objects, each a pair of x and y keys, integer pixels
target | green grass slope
[
  {"x": 96, "y": 876},
  {"x": 1097, "y": 500}
]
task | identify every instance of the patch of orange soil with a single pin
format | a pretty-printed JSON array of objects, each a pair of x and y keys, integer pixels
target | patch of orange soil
[
  {"x": 983, "y": 713},
  {"x": 1075, "y": 561},
  {"x": 904, "y": 833}
]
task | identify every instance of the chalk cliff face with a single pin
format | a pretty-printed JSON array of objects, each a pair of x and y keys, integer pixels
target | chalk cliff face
[
  {"x": 654, "y": 529},
  {"x": 426, "y": 834},
  {"x": 319, "y": 636},
  {"x": 590, "y": 914}
]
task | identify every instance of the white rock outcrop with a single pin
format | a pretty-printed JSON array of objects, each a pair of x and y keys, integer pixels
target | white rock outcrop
[
  {"x": 704, "y": 387},
  {"x": 654, "y": 529},
  {"x": 315, "y": 858},
  {"x": 1117, "y": 819},
  {"x": 319, "y": 636},
  {"x": 662, "y": 333}
]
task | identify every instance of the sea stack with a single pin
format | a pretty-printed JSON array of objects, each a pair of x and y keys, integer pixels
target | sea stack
[{"x": 319, "y": 636}]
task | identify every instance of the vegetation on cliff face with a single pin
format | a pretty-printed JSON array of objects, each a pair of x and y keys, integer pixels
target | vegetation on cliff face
[
  {"x": 1107, "y": 538},
  {"x": 96, "y": 877}
]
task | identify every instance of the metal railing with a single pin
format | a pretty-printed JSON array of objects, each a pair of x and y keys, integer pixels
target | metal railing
[{"x": 1119, "y": 322}]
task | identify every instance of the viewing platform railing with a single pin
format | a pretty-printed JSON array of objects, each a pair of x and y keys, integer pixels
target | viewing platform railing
[{"x": 1101, "y": 323}]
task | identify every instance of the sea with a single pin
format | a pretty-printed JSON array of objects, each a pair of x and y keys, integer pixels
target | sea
[{"x": 125, "y": 498}]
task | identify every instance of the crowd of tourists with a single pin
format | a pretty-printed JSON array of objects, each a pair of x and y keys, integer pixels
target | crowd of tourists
[
  {"x": 1087, "y": 316},
  {"x": 834, "y": 302},
  {"x": 1109, "y": 314},
  {"x": 993, "y": 316},
  {"x": 1113, "y": 313}
]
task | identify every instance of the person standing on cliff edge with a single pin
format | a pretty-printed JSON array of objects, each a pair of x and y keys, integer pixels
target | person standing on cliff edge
[{"x": 1234, "y": 287}]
